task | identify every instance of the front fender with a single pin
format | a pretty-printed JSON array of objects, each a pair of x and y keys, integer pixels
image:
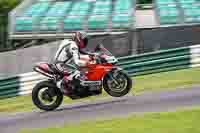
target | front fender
[{"x": 115, "y": 68}]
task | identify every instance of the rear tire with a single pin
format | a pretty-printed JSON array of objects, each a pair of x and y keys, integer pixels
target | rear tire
[
  {"x": 36, "y": 100},
  {"x": 114, "y": 93}
]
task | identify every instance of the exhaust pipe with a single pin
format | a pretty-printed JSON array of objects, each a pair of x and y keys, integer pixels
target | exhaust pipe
[{"x": 42, "y": 72}]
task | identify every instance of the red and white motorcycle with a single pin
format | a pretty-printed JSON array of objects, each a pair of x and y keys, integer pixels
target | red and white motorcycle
[{"x": 104, "y": 74}]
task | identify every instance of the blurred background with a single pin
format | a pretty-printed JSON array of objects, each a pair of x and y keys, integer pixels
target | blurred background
[
  {"x": 31, "y": 30},
  {"x": 36, "y": 9}
]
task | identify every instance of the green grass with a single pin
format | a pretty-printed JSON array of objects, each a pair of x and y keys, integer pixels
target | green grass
[
  {"x": 153, "y": 82},
  {"x": 167, "y": 80},
  {"x": 186, "y": 121}
]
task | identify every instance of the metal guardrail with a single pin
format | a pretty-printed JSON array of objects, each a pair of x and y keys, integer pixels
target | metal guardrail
[
  {"x": 19, "y": 84},
  {"x": 155, "y": 62},
  {"x": 161, "y": 61}
]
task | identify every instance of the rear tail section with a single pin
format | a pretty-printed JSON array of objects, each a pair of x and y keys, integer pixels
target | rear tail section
[{"x": 44, "y": 69}]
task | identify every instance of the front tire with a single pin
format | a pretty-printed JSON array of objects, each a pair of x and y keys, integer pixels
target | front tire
[
  {"x": 117, "y": 90},
  {"x": 51, "y": 92}
]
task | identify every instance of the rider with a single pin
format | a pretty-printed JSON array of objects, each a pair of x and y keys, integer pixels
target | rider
[{"x": 69, "y": 53}]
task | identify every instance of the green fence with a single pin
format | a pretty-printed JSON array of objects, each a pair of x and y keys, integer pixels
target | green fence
[{"x": 166, "y": 60}]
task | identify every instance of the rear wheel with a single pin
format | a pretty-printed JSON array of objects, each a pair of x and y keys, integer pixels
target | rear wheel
[
  {"x": 46, "y": 96},
  {"x": 117, "y": 83}
]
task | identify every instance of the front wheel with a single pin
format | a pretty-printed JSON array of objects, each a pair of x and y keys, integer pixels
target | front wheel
[
  {"x": 117, "y": 83},
  {"x": 46, "y": 96}
]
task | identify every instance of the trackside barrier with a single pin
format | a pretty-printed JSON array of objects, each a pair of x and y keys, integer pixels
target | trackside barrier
[
  {"x": 161, "y": 61},
  {"x": 148, "y": 63}
]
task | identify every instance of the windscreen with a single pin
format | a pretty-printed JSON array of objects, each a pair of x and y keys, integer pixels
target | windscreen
[{"x": 102, "y": 50}]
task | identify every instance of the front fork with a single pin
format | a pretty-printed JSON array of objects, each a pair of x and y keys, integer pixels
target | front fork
[{"x": 110, "y": 74}]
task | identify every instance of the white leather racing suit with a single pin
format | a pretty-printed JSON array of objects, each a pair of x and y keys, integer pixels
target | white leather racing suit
[
  {"x": 68, "y": 52},
  {"x": 66, "y": 56}
]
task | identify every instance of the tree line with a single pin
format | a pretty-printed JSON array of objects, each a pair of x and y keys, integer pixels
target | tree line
[{"x": 5, "y": 7}]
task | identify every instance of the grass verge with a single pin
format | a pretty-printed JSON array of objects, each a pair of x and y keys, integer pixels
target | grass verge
[
  {"x": 153, "y": 82},
  {"x": 167, "y": 80},
  {"x": 170, "y": 122}
]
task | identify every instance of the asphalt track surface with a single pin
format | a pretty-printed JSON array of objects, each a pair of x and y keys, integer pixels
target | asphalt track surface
[{"x": 103, "y": 109}]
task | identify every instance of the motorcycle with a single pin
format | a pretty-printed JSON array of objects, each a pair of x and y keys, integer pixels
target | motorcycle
[{"x": 103, "y": 74}]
